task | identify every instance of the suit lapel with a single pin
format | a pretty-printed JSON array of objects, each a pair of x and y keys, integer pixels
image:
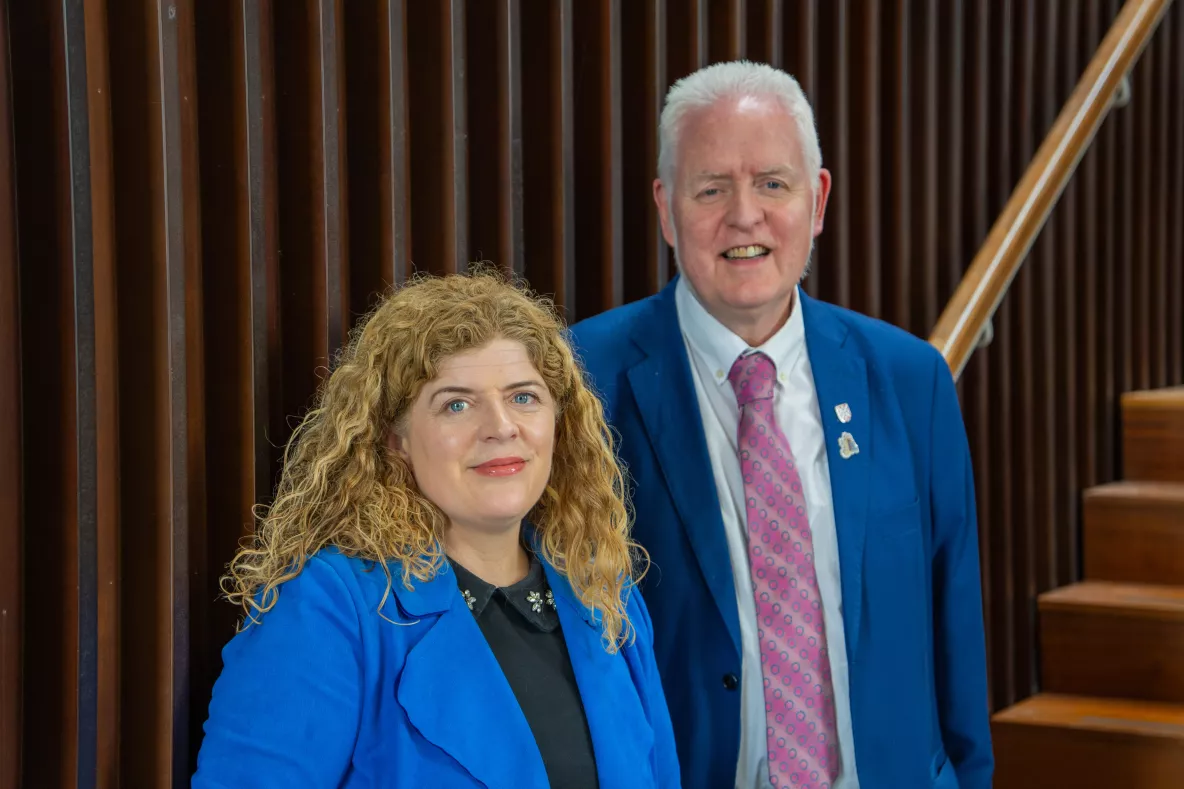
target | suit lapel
[
  {"x": 840, "y": 376},
  {"x": 622, "y": 737},
  {"x": 456, "y": 696},
  {"x": 669, "y": 408}
]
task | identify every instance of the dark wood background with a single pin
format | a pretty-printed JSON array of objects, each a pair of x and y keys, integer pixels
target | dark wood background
[{"x": 199, "y": 197}]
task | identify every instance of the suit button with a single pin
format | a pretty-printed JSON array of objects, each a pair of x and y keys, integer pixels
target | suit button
[{"x": 731, "y": 681}]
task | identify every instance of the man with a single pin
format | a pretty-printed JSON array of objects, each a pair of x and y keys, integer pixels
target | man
[{"x": 800, "y": 476}]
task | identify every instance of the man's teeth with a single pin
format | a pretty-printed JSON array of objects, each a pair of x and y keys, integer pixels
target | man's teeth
[{"x": 745, "y": 252}]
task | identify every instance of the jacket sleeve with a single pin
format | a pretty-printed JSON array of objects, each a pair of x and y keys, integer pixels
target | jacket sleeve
[
  {"x": 960, "y": 651},
  {"x": 286, "y": 708},
  {"x": 665, "y": 754}
]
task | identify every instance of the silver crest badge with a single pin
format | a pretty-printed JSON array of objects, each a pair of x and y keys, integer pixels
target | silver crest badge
[
  {"x": 843, "y": 412},
  {"x": 847, "y": 446}
]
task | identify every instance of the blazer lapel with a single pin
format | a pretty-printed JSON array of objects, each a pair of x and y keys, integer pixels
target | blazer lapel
[
  {"x": 840, "y": 376},
  {"x": 669, "y": 407},
  {"x": 622, "y": 738},
  {"x": 456, "y": 696}
]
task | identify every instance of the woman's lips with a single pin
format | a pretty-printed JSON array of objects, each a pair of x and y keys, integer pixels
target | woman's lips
[{"x": 501, "y": 467}]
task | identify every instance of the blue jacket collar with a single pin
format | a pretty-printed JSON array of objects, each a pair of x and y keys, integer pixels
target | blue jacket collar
[{"x": 451, "y": 686}]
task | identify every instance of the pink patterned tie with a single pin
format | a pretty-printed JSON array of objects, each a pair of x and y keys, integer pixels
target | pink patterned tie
[{"x": 799, "y": 697}]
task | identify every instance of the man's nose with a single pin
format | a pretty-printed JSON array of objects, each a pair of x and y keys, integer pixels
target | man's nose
[{"x": 743, "y": 210}]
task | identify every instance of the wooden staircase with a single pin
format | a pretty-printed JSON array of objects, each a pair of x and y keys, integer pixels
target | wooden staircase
[{"x": 1112, "y": 646}]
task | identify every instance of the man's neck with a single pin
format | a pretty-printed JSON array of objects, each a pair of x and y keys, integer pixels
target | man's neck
[
  {"x": 757, "y": 328},
  {"x": 495, "y": 557}
]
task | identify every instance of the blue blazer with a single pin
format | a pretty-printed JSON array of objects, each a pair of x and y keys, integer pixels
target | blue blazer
[
  {"x": 908, "y": 544},
  {"x": 325, "y": 692}
]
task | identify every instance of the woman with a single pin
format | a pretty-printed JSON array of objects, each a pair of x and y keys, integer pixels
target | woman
[{"x": 442, "y": 594}]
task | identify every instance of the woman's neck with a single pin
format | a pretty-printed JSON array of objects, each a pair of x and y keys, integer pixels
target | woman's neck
[{"x": 497, "y": 558}]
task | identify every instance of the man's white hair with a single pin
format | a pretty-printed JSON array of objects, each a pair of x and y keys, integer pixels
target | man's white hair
[{"x": 728, "y": 80}]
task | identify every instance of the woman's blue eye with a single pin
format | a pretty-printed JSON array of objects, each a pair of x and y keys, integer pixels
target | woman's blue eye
[
  {"x": 456, "y": 406},
  {"x": 523, "y": 398}
]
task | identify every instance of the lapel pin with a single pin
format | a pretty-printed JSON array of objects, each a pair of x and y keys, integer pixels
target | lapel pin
[
  {"x": 843, "y": 412},
  {"x": 847, "y": 446}
]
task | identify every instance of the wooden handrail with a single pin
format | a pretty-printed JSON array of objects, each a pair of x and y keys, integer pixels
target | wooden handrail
[{"x": 969, "y": 310}]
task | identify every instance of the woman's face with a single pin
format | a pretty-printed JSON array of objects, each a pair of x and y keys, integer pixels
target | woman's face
[{"x": 479, "y": 438}]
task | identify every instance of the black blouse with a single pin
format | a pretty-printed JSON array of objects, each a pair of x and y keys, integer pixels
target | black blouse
[{"x": 521, "y": 625}]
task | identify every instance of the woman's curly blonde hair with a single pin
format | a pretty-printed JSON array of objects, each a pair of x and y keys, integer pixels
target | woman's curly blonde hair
[{"x": 343, "y": 486}]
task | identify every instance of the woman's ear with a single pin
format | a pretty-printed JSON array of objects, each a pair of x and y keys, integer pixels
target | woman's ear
[{"x": 398, "y": 444}]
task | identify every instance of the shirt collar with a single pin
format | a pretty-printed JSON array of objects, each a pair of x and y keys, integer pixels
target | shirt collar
[
  {"x": 716, "y": 345},
  {"x": 531, "y": 596}
]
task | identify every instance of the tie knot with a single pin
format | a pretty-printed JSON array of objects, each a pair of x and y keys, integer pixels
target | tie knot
[{"x": 752, "y": 378}]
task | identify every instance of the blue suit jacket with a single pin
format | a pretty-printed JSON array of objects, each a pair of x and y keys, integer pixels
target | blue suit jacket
[
  {"x": 325, "y": 692},
  {"x": 908, "y": 551}
]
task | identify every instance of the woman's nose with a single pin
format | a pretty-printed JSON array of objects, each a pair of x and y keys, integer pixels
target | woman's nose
[{"x": 500, "y": 425}]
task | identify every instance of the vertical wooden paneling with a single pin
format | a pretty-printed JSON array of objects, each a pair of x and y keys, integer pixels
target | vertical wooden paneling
[
  {"x": 801, "y": 47},
  {"x": 1126, "y": 295},
  {"x": 548, "y": 150},
  {"x": 687, "y": 36},
  {"x": 11, "y": 499},
  {"x": 597, "y": 93},
  {"x": 1007, "y": 588},
  {"x": 897, "y": 185},
  {"x": 1023, "y": 345},
  {"x": 1108, "y": 295},
  {"x": 949, "y": 113},
  {"x": 1161, "y": 102},
  {"x": 199, "y": 198},
  {"x": 862, "y": 203},
  {"x": 106, "y": 394},
  {"x": 1067, "y": 279},
  {"x": 1175, "y": 319},
  {"x": 328, "y": 160},
  {"x": 495, "y": 131},
  {"x": 727, "y": 21},
  {"x": 162, "y": 409},
  {"x": 178, "y": 248},
  {"x": 379, "y": 147},
  {"x": 240, "y": 285},
  {"x": 48, "y": 476},
  {"x": 973, "y": 224},
  {"x": 1085, "y": 272},
  {"x": 830, "y": 272},
  {"x": 926, "y": 163},
  {"x": 437, "y": 116},
  {"x": 645, "y": 260},
  {"x": 80, "y": 317},
  {"x": 312, "y": 226},
  {"x": 766, "y": 31},
  {"x": 1142, "y": 251}
]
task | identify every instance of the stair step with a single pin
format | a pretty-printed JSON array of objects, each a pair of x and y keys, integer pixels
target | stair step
[
  {"x": 1099, "y": 638},
  {"x": 1134, "y": 531},
  {"x": 1153, "y": 435},
  {"x": 1053, "y": 740}
]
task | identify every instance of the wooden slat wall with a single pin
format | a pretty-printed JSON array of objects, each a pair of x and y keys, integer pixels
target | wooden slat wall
[{"x": 198, "y": 199}]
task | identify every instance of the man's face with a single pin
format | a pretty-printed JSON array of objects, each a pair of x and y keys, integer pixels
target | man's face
[{"x": 742, "y": 212}]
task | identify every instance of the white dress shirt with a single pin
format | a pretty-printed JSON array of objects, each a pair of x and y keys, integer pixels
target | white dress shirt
[{"x": 713, "y": 349}]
